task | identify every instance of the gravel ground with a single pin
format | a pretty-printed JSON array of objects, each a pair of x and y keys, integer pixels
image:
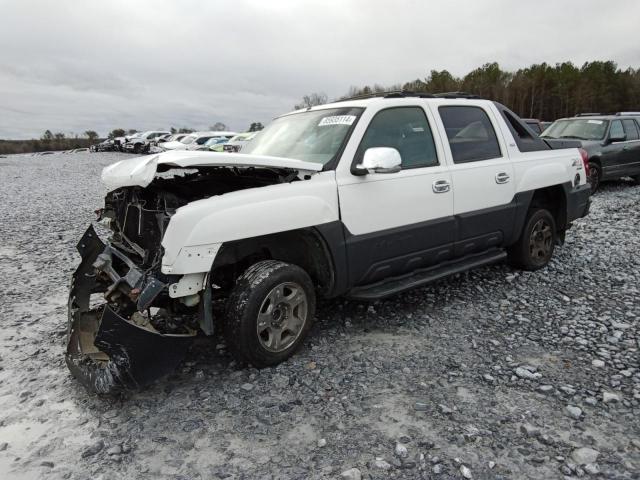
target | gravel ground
[{"x": 490, "y": 374}]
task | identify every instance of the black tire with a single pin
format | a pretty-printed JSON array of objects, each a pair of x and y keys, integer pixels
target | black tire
[
  {"x": 136, "y": 148},
  {"x": 536, "y": 244},
  {"x": 595, "y": 176},
  {"x": 250, "y": 300},
  {"x": 636, "y": 178}
]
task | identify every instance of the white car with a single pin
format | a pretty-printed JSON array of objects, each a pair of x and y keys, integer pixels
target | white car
[
  {"x": 194, "y": 140},
  {"x": 141, "y": 142},
  {"x": 236, "y": 143},
  {"x": 363, "y": 198}
]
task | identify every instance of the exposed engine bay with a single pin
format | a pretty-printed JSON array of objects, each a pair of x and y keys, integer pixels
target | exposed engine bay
[{"x": 125, "y": 328}]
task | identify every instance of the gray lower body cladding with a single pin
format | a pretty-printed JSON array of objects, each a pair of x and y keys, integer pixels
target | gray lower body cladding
[{"x": 105, "y": 351}]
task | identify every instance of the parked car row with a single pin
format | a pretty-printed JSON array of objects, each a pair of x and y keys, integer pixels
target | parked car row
[
  {"x": 155, "y": 141},
  {"x": 194, "y": 141},
  {"x": 50, "y": 152}
]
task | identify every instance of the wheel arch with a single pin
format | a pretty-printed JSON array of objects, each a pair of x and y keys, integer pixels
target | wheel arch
[
  {"x": 309, "y": 248},
  {"x": 596, "y": 159},
  {"x": 552, "y": 198}
]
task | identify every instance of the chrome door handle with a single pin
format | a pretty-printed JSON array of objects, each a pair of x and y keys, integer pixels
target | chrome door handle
[
  {"x": 441, "y": 186},
  {"x": 502, "y": 177}
]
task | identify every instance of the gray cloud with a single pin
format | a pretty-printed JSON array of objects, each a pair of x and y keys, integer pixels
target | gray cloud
[{"x": 71, "y": 66}]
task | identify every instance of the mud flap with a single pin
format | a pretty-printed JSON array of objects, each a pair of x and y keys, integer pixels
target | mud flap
[{"x": 105, "y": 351}]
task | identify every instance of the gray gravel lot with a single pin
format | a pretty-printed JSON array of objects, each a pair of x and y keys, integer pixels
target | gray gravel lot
[{"x": 490, "y": 374}]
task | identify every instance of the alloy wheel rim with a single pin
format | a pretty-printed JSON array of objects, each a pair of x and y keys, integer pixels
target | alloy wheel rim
[
  {"x": 541, "y": 241},
  {"x": 282, "y": 317}
]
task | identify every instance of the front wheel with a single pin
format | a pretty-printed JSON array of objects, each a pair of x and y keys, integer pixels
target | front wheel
[
  {"x": 534, "y": 248},
  {"x": 269, "y": 312},
  {"x": 595, "y": 176}
]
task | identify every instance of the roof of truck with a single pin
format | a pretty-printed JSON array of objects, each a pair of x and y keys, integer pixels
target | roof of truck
[{"x": 409, "y": 97}]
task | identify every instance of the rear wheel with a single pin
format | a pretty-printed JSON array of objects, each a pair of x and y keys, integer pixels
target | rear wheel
[
  {"x": 536, "y": 244},
  {"x": 595, "y": 176},
  {"x": 269, "y": 312}
]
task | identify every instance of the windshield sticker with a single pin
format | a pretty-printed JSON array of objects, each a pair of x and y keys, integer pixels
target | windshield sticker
[
  {"x": 597, "y": 122},
  {"x": 418, "y": 129},
  {"x": 337, "y": 120}
]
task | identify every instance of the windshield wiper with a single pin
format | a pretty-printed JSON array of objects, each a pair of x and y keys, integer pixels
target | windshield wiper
[{"x": 574, "y": 137}]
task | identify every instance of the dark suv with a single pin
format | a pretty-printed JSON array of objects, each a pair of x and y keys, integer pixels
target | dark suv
[{"x": 611, "y": 141}]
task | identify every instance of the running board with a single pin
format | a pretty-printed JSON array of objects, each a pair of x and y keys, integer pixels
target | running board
[{"x": 393, "y": 285}]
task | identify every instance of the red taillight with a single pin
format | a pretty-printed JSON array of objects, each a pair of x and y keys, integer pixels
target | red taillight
[{"x": 585, "y": 160}]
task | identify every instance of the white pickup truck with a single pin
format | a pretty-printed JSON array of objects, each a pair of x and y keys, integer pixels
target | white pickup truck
[{"x": 364, "y": 198}]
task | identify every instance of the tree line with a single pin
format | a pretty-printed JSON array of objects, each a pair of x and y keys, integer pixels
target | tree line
[
  {"x": 50, "y": 141},
  {"x": 542, "y": 91}
]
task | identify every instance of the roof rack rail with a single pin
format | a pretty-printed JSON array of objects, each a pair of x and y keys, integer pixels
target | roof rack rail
[
  {"x": 457, "y": 95},
  {"x": 588, "y": 114},
  {"x": 407, "y": 93},
  {"x": 388, "y": 94},
  {"x": 621, "y": 114}
]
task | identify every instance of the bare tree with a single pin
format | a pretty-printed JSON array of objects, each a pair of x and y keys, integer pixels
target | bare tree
[
  {"x": 91, "y": 135},
  {"x": 311, "y": 101},
  {"x": 218, "y": 127}
]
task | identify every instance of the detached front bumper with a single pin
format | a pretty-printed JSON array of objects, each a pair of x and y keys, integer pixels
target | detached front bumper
[{"x": 105, "y": 351}]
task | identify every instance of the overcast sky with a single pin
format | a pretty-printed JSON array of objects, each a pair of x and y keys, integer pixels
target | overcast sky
[{"x": 75, "y": 65}]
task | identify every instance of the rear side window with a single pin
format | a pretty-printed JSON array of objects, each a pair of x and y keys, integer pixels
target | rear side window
[
  {"x": 525, "y": 139},
  {"x": 470, "y": 133},
  {"x": 616, "y": 129},
  {"x": 630, "y": 129},
  {"x": 407, "y": 130}
]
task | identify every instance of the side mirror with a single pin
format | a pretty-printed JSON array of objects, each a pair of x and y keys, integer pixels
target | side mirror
[
  {"x": 617, "y": 138},
  {"x": 381, "y": 160}
]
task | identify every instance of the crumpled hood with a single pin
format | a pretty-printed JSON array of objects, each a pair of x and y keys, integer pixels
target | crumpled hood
[{"x": 140, "y": 171}]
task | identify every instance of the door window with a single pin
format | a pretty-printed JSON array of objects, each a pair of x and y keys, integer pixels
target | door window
[
  {"x": 471, "y": 135},
  {"x": 630, "y": 129},
  {"x": 407, "y": 130},
  {"x": 616, "y": 129}
]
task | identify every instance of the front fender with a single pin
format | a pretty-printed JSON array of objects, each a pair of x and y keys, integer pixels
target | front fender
[{"x": 197, "y": 230}]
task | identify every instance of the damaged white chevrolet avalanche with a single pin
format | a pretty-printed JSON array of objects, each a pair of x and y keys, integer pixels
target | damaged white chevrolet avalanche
[{"x": 364, "y": 198}]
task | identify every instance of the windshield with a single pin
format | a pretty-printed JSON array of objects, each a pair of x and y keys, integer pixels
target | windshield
[
  {"x": 243, "y": 137},
  {"x": 312, "y": 136},
  {"x": 580, "y": 128},
  {"x": 215, "y": 140},
  {"x": 188, "y": 139}
]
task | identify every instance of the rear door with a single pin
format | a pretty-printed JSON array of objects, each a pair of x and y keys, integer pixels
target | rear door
[
  {"x": 631, "y": 147},
  {"x": 396, "y": 222},
  {"x": 613, "y": 153},
  {"x": 482, "y": 176}
]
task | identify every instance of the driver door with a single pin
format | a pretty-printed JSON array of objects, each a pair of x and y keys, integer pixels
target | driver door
[{"x": 397, "y": 222}]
